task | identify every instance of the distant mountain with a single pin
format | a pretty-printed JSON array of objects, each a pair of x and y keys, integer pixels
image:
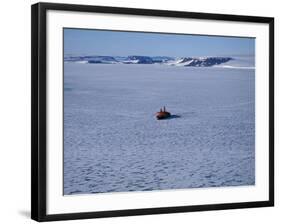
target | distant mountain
[
  {"x": 201, "y": 61},
  {"x": 102, "y": 60},
  {"x": 91, "y": 59},
  {"x": 137, "y": 59}
]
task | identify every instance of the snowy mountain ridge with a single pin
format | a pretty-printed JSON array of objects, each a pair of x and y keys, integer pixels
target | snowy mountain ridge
[{"x": 137, "y": 59}]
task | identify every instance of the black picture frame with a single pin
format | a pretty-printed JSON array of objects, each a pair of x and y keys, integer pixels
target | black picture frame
[{"x": 39, "y": 122}]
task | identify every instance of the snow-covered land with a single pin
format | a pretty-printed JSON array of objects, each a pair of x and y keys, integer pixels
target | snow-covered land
[
  {"x": 113, "y": 143},
  {"x": 163, "y": 60}
]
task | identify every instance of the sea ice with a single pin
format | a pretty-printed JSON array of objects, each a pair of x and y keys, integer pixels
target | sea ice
[{"x": 114, "y": 143}]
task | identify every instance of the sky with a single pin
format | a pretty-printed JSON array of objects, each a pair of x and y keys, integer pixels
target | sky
[{"x": 119, "y": 43}]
